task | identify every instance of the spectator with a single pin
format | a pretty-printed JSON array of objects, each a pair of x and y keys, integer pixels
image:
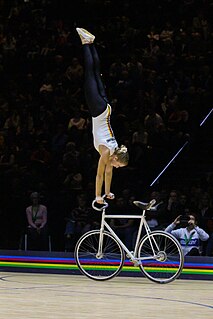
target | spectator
[
  {"x": 37, "y": 224},
  {"x": 58, "y": 143},
  {"x": 123, "y": 227},
  {"x": 184, "y": 204},
  {"x": 205, "y": 211},
  {"x": 153, "y": 217},
  {"x": 71, "y": 157},
  {"x": 77, "y": 127},
  {"x": 209, "y": 247},
  {"x": 74, "y": 72},
  {"x": 153, "y": 121},
  {"x": 78, "y": 222},
  {"x": 116, "y": 69},
  {"x": 173, "y": 206},
  {"x": 189, "y": 234},
  {"x": 41, "y": 159},
  {"x": 8, "y": 157}
]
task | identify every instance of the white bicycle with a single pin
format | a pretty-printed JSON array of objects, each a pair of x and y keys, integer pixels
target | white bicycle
[{"x": 100, "y": 254}]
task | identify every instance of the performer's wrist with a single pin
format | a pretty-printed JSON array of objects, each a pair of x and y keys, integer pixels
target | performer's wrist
[{"x": 98, "y": 198}]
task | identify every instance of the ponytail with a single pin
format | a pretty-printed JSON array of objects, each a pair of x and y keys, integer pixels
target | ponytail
[{"x": 122, "y": 154}]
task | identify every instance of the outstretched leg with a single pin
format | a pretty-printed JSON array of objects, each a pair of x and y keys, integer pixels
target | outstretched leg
[{"x": 94, "y": 89}]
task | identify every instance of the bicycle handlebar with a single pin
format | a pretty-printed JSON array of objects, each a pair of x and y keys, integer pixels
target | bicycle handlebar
[
  {"x": 141, "y": 205},
  {"x": 102, "y": 207}
]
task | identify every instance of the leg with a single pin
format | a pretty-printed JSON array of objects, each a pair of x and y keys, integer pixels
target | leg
[
  {"x": 32, "y": 239},
  {"x": 209, "y": 247},
  {"x": 44, "y": 239},
  {"x": 193, "y": 252},
  {"x": 97, "y": 73},
  {"x": 94, "y": 89}
]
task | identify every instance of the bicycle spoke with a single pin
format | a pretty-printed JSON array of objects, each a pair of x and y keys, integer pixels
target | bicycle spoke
[
  {"x": 165, "y": 257},
  {"x": 104, "y": 266}
]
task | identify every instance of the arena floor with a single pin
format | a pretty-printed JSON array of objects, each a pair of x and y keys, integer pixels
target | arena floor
[{"x": 27, "y": 295}]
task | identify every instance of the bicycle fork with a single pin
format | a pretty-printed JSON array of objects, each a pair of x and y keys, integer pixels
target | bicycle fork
[{"x": 99, "y": 254}]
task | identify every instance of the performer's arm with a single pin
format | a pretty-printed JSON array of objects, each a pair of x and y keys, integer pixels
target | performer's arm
[
  {"x": 101, "y": 171},
  {"x": 108, "y": 178}
]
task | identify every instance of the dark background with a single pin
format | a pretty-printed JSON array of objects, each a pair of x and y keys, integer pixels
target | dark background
[{"x": 121, "y": 29}]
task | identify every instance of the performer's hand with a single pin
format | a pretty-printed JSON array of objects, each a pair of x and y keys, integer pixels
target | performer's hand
[
  {"x": 110, "y": 196},
  {"x": 99, "y": 203},
  {"x": 99, "y": 200}
]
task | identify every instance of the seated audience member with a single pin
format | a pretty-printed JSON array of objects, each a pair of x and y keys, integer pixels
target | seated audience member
[
  {"x": 209, "y": 248},
  {"x": 189, "y": 234},
  {"x": 173, "y": 206},
  {"x": 37, "y": 224},
  {"x": 78, "y": 222},
  {"x": 77, "y": 128},
  {"x": 124, "y": 228},
  {"x": 153, "y": 216},
  {"x": 41, "y": 159},
  {"x": 205, "y": 213}
]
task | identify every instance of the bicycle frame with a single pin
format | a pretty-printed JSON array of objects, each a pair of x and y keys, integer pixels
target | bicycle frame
[{"x": 131, "y": 254}]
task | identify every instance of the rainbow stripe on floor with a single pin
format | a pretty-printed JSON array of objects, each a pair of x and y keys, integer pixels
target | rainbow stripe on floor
[{"x": 59, "y": 262}]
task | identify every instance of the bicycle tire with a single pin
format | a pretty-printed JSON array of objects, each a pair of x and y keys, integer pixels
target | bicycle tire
[
  {"x": 104, "y": 268},
  {"x": 168, "y": 262}
]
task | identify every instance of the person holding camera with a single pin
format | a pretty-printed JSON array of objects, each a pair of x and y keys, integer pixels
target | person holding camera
[{"x": 188, "y": 234}]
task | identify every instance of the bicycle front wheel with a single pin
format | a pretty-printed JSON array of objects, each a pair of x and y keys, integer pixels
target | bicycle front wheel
[
  {"x": 104, "y": 266},
  {"x": 161, "y": 257}
]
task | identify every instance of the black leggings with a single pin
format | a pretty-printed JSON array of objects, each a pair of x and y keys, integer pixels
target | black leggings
[{"x": 94, "y": 89}]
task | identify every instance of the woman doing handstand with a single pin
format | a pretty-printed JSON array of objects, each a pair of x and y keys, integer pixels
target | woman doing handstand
[{"x": 104, "y": 140}]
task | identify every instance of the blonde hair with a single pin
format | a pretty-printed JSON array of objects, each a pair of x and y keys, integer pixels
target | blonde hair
[{"x": 122, "y": 154}]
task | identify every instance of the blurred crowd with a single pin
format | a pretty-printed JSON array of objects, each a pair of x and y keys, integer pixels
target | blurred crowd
[{"x": 157, "y": 66}]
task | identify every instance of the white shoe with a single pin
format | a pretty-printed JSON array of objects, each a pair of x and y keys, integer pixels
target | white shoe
[{"x": 85, "y": 36}]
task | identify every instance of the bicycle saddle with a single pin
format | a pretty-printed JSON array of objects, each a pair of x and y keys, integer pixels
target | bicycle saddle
[{"x": 146, "y": 206}]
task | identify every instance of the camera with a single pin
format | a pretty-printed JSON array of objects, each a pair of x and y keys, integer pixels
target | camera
[{"x": 184, "y": 220}]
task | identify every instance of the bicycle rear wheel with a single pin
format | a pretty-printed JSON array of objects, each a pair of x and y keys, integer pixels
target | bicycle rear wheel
[
  {"x": 163, "y": 257},
  {"x": 103, "y": 267}
]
